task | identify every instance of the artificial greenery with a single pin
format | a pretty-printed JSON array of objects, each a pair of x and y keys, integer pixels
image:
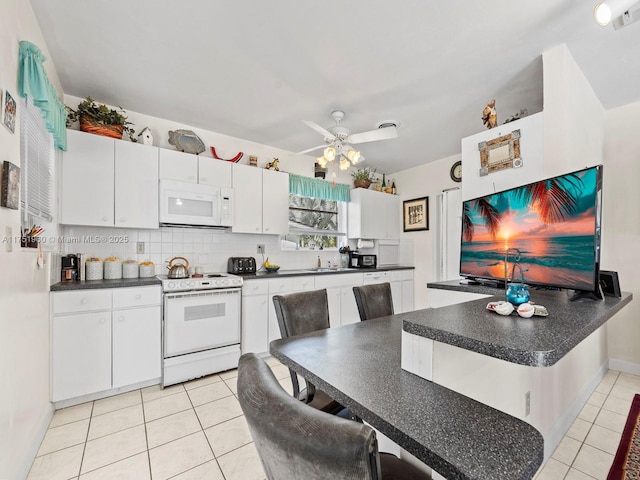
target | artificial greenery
[
  {"x": 101, "y": 114},
  {"x": 366, "y": 173}
]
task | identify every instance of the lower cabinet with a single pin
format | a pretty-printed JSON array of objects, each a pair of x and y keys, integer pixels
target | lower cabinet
[
  {"x": 255, "y": 314},
  {"x": 104, "y": 339},
  {"x": 342, "y": 303}
]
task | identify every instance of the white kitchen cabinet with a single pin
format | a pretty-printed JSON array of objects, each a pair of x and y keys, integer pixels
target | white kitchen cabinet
[
  {"x": 261, "y": 200},
  {"x": 342, "y": 303},
  {"x": 373, "y": 215},
  {"x": 87, "y": 180},
  {"x": 136, "y": 185},
  {"x": 106, "y": 182},
  {"x": 80, "y": 354},
  {"x": 283, "y": 286},
  {"x": 104, "y": 339},
  {"x": 190, "y": 168},
  {"x": 401, "y": 283},
  {"x": 255, "y": 316}
]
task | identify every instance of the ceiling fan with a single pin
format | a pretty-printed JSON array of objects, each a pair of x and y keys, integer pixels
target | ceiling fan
[{"x": 339, "y": 140}]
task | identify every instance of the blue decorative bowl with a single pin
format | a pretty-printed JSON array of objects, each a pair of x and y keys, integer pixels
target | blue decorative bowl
[
  {"x": 272, "y": 269},
  {"x": 517, "y": 294}
]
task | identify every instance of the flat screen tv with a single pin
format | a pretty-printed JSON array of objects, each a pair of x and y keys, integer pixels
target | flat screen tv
[{"x": 554, "y": 224}]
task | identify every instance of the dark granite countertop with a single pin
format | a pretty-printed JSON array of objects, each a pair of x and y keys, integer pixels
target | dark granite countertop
[
  {"x": 90, "y": 284},
  {"x": 359, "y": 366},
  {"x": 535, "y": 341},
  {"x": 320, "y": 271}
]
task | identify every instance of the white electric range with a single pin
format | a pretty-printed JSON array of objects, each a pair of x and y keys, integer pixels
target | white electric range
[{"x": 201, "y": 326}]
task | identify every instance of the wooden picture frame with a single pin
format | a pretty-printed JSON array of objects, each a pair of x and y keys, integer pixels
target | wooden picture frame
[
  {"x": 9, "y": 110},
  {"x": 415, "y": 214},
  {"x": 500, "y": 153}
]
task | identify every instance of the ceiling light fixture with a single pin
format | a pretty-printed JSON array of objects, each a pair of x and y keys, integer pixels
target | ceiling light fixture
[
  {"x": 344, "y": 154},
  {"x": 609, "y": 10}
]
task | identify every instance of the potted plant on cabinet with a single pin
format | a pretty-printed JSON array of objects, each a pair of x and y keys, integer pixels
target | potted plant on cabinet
[
  {"x": 100, "y": 119},
  {"x": 363, "y": 177}
]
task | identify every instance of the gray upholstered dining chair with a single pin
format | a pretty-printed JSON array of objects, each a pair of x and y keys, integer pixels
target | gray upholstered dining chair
[
  {"x": 300, "y": 313},
  {"x": 374, "y": 301},
  {"x": 295, "y": 441}
]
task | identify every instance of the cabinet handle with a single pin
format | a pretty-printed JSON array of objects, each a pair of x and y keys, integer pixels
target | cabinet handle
[
  {"x": 102, "y": 321},
  {"x": 121, "y": 318},
  {"x": 257, "y": 229},
  {"x": 123, "y": 220},
  {"x": 83, "y": 301},
  {"x": 203, "y": 179},
  {"x": 138, "y": 296},
  {"x": 105, "y": 218}
]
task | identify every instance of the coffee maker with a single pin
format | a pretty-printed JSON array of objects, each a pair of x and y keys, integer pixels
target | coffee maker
[{"x": 70, "y": 268}]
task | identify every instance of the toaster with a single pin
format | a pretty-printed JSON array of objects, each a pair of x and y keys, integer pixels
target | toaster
[{"x": 239, "y": 265}]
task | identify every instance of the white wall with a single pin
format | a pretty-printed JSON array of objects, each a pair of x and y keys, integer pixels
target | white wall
[
  {"x": 425, "y": 181},
  {"x": 621, "y": 229},
  {"x": 25, "y": 410}
]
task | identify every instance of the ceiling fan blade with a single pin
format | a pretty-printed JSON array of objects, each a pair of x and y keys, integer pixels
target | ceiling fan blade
[
  {"x": 326, "y": 133},
  {"x": 311, "y": 149},
  {"x": 373, "y": 135}
]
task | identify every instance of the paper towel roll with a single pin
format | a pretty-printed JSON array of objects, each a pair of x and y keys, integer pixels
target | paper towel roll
[{"x": 365, "y": 243}]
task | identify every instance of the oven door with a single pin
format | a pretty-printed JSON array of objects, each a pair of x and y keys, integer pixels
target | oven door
[{"x": 197, "y": 321}]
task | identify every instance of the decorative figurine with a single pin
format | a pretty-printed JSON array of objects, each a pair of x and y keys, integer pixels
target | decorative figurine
[
  {"x": 186, "y": 141},
  {"x": 273, "y": 165},
  {"x": 489, "y": 115},
  {"x": 145, "y": 137},
  {"x": 233, "y": 159}
]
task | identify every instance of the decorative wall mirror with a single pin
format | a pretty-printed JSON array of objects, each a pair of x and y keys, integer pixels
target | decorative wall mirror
[{"x": 500, "y": 153}]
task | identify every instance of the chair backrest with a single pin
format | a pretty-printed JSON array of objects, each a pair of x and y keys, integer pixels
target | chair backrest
[
  {"x": 374, "y": 301},
  {"x": 295, "y": 440},
  {"x": 302, "y": 312}
]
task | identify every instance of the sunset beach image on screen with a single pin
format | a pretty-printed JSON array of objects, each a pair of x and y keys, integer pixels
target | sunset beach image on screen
[{"x": 554, "y": 223}]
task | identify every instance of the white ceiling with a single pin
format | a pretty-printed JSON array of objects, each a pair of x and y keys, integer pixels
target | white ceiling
[{"x": 254, "y": 70}]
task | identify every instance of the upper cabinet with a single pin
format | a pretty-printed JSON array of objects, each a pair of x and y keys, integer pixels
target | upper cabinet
[
  {"x": 186, "y": 167},
  {"x": 261, "y": 200},
  {"x": 373, "y": 215},
  {"x": 106, "y": 182}
]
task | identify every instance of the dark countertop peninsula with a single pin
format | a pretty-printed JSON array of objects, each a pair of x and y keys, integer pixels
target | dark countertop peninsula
[
  {"x": 535, "y": 341},
  {"x": 359, "y": 366},
  {"x": 320, "y": 271},
  {"x": 116, "y": 283}
]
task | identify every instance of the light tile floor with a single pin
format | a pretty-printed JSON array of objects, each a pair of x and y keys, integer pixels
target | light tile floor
[{"x": 196, "y": 430}]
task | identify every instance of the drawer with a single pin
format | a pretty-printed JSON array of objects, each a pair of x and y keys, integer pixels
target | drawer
[
  {"x": 279, "y": 285},
  {"x": 303, "y": 283},
  {"x": 127, "y": 297},
  {"x": 406, "y": 274},
  {"x": 394, "y": 276},
  {"x": 327, "y": 280},
  {"x": 375, "y": 277},
  {"x": 81, "y": 301},
  {"x": 255, "y": 287}
]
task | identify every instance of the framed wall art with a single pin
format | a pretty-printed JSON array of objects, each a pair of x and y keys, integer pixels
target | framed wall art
[
  {"x": 10, "y": 188},
  {"x": 415, "y": 214},
  {"x": 500, "y": 153},
  {"x": 9, "y": 109}
]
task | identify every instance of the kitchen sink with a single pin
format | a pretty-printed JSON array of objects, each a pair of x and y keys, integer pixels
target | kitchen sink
[{"x": 327, "y": 269}]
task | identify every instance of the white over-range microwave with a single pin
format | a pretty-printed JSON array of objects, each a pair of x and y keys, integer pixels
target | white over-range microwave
[{"x": 192, "y": 204}]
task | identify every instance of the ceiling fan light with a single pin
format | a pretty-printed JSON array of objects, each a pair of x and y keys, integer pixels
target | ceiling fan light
[
  {"x": 602, "y": 14},
  {"x": 322, "y": 162},
  {"x": 354, "y": 156},
  {"x": 344, "y": 164},
  {"x": 607, "y": 11},
  {"x": 330, "y": 153}
]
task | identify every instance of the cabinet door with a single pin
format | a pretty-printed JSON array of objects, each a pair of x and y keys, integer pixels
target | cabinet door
[
  {"x": 407, "y": 295},
  {"x": 136, "y": 345},
  {"x": 136, "y": 185},
  {"x": 275, "y": 202},
  {"x": 80, "y": 354},
  {"x": 87, "y": 180},
  {"x": 348, "y": 307},
  {"x": 179, "y": 166},
  {"x": 216, "y": 173},
  {"x": 255, "y": 321},
  {"x": 247, "y": 199},
  {"x": 334, "y": 298},
  {"x": 396, "y": 296},
  {"x": 390, "y": 228}
]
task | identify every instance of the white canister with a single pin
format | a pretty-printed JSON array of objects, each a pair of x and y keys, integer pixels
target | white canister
[
  {"x": 112, "y": 269},
  {"x": 147, "y": 271},
  {"x": 93, "y": 269},
  {"x": 130, "y": 269}
]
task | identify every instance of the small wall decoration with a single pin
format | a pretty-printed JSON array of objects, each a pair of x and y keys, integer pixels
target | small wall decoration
[
  {"x": 186, "y": 141},
  {"x": 500, "y": 153},
  {"x": 145, "y": 136},
  {"x": 416, "y": 214},
  {"x": 10, "y": 190},
  {"x": 273, "y": 165},
  {"x": 9, "y": 109}
]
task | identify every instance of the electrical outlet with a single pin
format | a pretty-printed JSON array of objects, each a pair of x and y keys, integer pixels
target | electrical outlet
[
  {"x": 140, "y": 247},
  {"x": 527, "y": 404},
  {"x": 260, "y": 248}
]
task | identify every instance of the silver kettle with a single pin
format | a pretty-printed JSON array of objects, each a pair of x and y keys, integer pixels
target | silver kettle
[{"x": 179, "y": 270}]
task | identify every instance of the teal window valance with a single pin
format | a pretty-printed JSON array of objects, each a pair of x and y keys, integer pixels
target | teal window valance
[
  {"x": 318, "y": 188},
  {"x": 33, "y": 82}
]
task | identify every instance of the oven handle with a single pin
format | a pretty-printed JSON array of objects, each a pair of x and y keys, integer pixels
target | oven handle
[{"x": 202, "y": 293}]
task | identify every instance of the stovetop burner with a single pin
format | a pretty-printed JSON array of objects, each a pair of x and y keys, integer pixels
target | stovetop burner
[{"x": 208, "y": 281}]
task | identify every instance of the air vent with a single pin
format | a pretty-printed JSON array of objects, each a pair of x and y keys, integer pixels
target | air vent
[{"x": 389, "y": 123}]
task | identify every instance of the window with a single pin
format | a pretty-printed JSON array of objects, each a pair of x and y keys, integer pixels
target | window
[
  {"x": 37, "y": 197},
  {"x": 315, "y": 223}
]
